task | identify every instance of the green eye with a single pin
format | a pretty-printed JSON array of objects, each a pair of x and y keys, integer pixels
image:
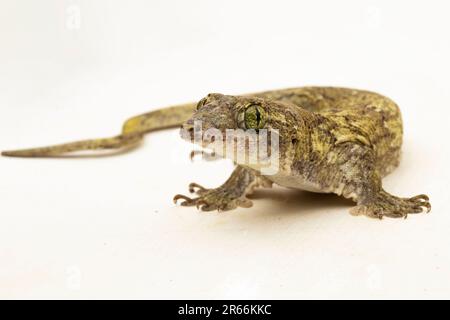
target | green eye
[{"x": 254, "y": 117}]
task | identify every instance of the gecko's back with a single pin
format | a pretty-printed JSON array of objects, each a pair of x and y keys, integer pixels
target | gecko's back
[{"x": 375, "y": 119}]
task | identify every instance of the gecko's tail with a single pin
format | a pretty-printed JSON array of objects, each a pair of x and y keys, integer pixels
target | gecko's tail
[
  {"x": 118, "y": 142},
  {"x": 132, "y": 133}
]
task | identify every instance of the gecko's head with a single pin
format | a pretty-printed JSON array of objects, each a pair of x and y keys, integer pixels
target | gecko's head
[{"x": 219, "y": 119}]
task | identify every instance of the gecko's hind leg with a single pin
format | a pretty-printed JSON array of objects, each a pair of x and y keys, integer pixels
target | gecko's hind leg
[{"x": 228, "y": 196}]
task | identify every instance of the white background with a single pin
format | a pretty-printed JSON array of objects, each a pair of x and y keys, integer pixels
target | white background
[{"x": 107, "y": 228}]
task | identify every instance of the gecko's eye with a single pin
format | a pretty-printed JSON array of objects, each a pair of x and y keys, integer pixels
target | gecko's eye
[
  {"x": 201, "y": 103},
  {"x": 254, "y": 117}
]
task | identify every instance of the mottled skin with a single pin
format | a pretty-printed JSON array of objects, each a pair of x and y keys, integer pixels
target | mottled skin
[{"x": 331, "y": 140}]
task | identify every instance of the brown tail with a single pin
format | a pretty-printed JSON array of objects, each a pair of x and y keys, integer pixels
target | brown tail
[{"x": 132, "y": 133}]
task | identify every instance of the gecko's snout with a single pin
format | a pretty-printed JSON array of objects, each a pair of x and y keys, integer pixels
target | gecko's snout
[{"x": 187, "y": 131}]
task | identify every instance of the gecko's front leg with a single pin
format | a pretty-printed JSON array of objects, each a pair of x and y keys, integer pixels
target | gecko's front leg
[
  {"x": 363, "y": 180},
  {"x": 228, "y": 196}
]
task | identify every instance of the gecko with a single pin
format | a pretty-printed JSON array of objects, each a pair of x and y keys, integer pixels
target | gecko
[{"x": 330, "y": 140}]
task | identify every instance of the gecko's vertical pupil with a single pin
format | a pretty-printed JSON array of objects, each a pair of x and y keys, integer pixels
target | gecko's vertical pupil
[{"x": 254, "y": 117}]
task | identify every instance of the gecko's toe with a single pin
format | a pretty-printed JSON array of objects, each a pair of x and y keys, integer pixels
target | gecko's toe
[
  {"x": 421, "y": 201},
  {"x": 196, "y": 188},
  {"x": 417, "y": 204},
  {"x": 200, "y": 204},
  {"x": 187, "y": 201},
  {"x": 420, "y": 197}
]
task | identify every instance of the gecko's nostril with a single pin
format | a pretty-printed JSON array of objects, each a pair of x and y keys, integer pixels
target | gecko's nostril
[
  {"x": 187, "y": 127},
  {"x": 187, "y": 131},
  {"x": 190, "y": 132}
]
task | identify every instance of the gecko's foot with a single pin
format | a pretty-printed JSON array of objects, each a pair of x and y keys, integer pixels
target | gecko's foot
[
  {"x": 220, "y": 199},
  {"x": 385, "y": 204}
]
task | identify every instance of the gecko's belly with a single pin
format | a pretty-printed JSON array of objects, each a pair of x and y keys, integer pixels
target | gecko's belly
[{"x": 297, "y": 182}]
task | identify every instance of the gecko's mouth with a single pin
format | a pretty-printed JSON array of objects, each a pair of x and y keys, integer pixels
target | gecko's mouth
[
  {"x": 241, "y": 147},
  {"x": 188, "y": 134}
]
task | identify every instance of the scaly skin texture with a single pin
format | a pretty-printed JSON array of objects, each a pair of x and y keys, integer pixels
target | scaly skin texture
[{"x": 334, "y": 140}]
